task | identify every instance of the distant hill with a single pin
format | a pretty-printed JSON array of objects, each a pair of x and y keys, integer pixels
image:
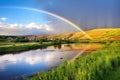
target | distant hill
[{"x": 99, "y": 34}]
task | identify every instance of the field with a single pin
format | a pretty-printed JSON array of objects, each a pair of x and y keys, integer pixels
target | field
[
  {"x": 18, "y": 47},
  {"x": 103, "y": 64},
  {"x": 95, "y": 34}
]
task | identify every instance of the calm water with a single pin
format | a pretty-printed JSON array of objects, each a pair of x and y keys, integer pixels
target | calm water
[{"x": 29, "y": 62}]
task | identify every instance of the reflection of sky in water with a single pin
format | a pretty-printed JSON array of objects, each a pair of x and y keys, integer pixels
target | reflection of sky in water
[{"x": 29, "y": 62}]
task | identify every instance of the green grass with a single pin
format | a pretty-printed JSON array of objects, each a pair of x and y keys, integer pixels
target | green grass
[
  {"x": 6, "y": 43},
  {"x": 103, "y": 64},
  {"x": 19, "y": 48},
  {"x": 114, "y": 75},
  {"x": 16, "y": 43}
]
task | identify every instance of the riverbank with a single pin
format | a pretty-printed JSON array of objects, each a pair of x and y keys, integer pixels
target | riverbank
[
  {"x": 98, "y": 65},
  {"x": 19, "y": 48},
  {"x": 14, "y": 47}
]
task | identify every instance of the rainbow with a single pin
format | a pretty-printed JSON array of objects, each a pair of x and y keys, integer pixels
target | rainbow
[{"x": 57, "y": 16}]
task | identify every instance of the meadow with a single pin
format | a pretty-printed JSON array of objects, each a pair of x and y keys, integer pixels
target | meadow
[
  {"x": 13, "y": 48},
  {"x": 103, "y": 64}
]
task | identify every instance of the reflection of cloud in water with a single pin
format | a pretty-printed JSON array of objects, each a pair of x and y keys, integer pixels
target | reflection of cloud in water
[
  {"x": 33, "y": 60},
  {"x": 32, "y": 57},
  {"x": 27, "y": 57},
  {"x": 50, "y": 56},
  {"x": 2, "y": 67}
]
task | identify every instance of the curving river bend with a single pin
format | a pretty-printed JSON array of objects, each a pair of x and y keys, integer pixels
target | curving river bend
[{"x": 30, "y": 62}]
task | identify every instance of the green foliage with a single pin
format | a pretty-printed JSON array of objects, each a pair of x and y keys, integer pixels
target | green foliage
[
  {"x": 21, "y": 39},
  {"x": 60, "y": 41},
  {"x": 95, "y": 66},
  {"x": 57, "y": 41},
  {"x": 44, "y": 40},
  {"x": 6, "y": 38}
]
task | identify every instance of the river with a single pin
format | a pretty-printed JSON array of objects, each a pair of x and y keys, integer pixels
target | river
[{"x": 30, "y": 62}]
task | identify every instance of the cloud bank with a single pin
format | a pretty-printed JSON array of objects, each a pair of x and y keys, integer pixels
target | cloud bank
[{"x": 29, "y": 29}]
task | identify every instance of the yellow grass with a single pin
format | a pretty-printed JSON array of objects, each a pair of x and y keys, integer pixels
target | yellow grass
[{"x": 100, "y": 34}]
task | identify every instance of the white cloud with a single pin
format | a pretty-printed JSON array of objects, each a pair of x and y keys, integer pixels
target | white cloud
[
  {"x": 34, "y": 25},
  {"x": 29, "y": 29},
  {"x": 3, "y": 19}
]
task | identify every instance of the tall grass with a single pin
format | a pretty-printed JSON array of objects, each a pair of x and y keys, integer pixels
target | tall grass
[{"x": 98, "y": 65}]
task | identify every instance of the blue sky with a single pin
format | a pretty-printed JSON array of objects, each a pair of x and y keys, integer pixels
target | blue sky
[
  {"x": 87, "y": 14},
  {"x": 22, "y": 16}
]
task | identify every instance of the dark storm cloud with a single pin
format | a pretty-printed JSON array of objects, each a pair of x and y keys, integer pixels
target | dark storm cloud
[{"x": 86, "y": 13}]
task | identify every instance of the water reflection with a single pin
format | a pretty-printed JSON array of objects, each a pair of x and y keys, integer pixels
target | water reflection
[
  {"x": 30, "y": 62},
  {"x": 59, "y": 46}
]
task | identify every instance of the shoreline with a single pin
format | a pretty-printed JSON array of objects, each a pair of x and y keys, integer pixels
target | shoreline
[{"x": 21, "y": 48}]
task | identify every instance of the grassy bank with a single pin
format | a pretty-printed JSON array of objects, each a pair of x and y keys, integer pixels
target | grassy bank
[
  {"x": 99, "y": 65},
  {"x": 13, "y": 47},
  {"x": 19, "y": 48}
]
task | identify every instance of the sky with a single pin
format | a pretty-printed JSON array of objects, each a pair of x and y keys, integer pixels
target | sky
[{"x": 87, "y": 14}]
